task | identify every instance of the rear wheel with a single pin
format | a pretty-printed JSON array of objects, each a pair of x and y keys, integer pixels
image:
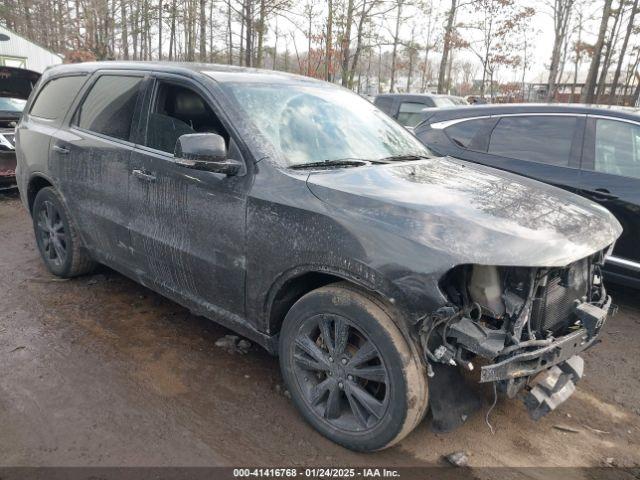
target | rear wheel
[
  {"x": 349, "y": 369},
  {"x": 57, "y": 237}
]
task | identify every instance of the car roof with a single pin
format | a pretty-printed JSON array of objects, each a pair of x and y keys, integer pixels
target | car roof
[
  {"x": 470, "y": 111},
  {"x": 410, "y": 95},
  {"x": 221, "y": 73}
]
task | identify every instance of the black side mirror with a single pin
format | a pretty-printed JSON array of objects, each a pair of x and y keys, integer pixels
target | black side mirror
[{"x": 205, "y": 151}]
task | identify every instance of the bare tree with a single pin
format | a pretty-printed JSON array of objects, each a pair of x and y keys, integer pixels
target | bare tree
[
  {"x": 588, "y": 92},
  {"x": 623, "y": 51},
  {"x": 562, "y": 10}
]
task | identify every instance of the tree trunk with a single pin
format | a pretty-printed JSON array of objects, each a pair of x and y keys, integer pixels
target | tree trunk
[
  {"x": 275, "y": 48},
  {"x": 229, "y": 32},
  {"x": 394, "y": 53},
  {"x": 623, "y": 51},
  {"x": 609, "y": 47},
  {"x": 588, "y": 91},
  {"x": 248, "y": 52},
  {"x": 446, "y": 47},
  {"x": 124, "y": 35},
  {"x": 172, "y": 34},
  {"x": 261, "y": 28},
  {"x": 562, "y": 13},
  {"x": 329, "y": 45},
  {"x": 636, "y": 93},
  {"x": 203, "y": 31},
  {"x": 346, "y": 42},
  {"x": 576, "y": 64},
  {"x": 356, "y": 55},
  {"x": 160, "y": 15}
]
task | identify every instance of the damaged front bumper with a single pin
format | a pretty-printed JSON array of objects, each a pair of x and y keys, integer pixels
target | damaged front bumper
[
  {"x": 544, "y": 365},
  {"x": 561, "y": 349}
]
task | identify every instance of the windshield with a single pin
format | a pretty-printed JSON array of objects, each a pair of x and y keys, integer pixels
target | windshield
[
  {"x": 309, "y": 124},
  {"x": 12, "y": 104}
]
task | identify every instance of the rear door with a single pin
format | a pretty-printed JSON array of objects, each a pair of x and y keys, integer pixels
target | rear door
[
  {"x": 545, "y": 147},
  {"x": 91, "y": 158},
  {"x": 611, "y": 177}
]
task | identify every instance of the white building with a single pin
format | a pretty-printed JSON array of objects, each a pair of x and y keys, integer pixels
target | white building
[{"x": 16, "y": 51}]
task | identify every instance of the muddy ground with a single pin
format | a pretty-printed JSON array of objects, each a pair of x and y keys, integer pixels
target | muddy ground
[{"x": 101, "y": 371}]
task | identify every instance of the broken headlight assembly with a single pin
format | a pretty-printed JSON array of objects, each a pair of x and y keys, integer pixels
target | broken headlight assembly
[{"x": 525, "y": 326}]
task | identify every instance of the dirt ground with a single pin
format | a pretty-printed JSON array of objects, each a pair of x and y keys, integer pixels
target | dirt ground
[{"x": 101, "y": 371}]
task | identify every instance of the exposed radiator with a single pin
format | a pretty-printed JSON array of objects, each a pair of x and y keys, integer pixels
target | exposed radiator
[{"x": 553, "y": 308}]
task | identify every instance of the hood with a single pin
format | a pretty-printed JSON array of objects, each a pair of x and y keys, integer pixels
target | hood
[
  {"x": 470, "y": 213},
  {"x": 17, "y": 82}
]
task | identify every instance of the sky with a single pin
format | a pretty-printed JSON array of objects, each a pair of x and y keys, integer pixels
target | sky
[{"x": 541, "y": 22}]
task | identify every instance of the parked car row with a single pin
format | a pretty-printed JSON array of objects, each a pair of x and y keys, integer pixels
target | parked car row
[
  {"x": 300, "y": 215},
  {"x": 594, "y": 152}
]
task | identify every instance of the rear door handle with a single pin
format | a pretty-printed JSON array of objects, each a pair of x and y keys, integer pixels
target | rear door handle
[
  {"x": 60, "y": 149},
  {"x": 142, "y": 175}
]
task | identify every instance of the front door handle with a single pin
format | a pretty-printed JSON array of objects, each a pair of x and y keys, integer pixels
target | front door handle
[
  {"x": 60, "y": 149},
  {"x": 142, "y": 175}
]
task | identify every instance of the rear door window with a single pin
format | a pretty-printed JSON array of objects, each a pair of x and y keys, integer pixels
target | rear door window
[
  {"x": 463, "y": 133},
  {"x": 56, "y": 96},
  {"x": 543, "y": 139},
  {"x": 109, "y": 107},
  {"x": 410, "y": 113},
  {"x": 617, "y": 148}
]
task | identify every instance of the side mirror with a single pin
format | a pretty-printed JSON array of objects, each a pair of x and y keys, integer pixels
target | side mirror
[{"x": 205, "y": 151}]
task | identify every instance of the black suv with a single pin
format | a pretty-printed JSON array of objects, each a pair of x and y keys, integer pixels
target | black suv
[
  {"x": 298, "y": 214},
  {"x": 594, "y": 152}
]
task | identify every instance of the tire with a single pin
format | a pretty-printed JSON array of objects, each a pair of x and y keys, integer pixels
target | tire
[
  {"x": 328, "y": 391},
  {"x": 57, "y": 237}
]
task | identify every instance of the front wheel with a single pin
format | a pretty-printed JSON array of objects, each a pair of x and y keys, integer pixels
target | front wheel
[{"x": 349, "y": 370}]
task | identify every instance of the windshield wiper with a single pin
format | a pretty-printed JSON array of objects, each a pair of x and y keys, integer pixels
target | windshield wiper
[
  {"x": 342, "y": 162},
  {"x": 401, "y": 158}
]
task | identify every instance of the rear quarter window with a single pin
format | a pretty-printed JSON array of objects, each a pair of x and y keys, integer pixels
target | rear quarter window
[
  {"x": 463, "y": 133},
  {"x": 55, "y": 97}
]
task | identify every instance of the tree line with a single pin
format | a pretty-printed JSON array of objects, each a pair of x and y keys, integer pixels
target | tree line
[{"x": 483, "y": 47}]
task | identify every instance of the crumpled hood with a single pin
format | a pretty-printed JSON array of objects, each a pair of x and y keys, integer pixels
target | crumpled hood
[{"x": 471, "y": 213}]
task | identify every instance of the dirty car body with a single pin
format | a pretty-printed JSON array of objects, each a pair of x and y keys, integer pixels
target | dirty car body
[{"x": 470, "y": 263}]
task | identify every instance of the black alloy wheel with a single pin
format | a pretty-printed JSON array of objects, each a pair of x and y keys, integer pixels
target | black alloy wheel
[
  {"x": 51, "y": 234},
  {"x": 340, "y": 373},
  {"x": 57, "y": 237},
  {"x": 351, "y": 372}
]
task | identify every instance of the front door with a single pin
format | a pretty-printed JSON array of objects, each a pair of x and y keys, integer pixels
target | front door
[
  {"x": 187, "y": 226},
  {"x": 611, "y": 177}
]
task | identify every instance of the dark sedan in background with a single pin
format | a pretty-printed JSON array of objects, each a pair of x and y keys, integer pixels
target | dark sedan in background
[
  {"x": 592, "y": 151},
  {"x": 15, "y": 86},
  {"x": 409, "y": 108}
]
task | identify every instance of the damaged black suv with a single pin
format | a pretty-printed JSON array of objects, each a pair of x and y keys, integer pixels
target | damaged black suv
[{"x": 304, "y": 218}]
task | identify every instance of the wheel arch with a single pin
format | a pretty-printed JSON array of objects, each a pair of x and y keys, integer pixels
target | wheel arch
[
  {"x": 37, "y": 182},
  {"x": 297, "y": 282}
]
